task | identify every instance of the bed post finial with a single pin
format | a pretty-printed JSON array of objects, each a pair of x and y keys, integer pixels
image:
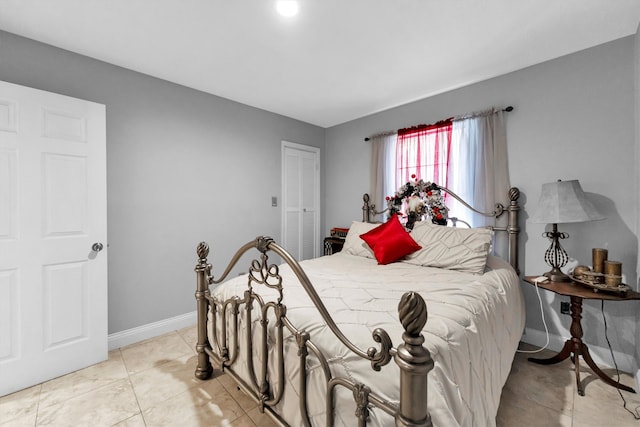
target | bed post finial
[
  {"x": 203, "y": 251},
  {"x": 413, "y": 313},
  {"x": 203, "y": 272},
  {"x": 514, "y": 194},
  {"x": 414, "y": 361}
]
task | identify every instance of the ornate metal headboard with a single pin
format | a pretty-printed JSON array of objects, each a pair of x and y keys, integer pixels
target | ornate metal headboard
[{"x": 512, "y": 229}]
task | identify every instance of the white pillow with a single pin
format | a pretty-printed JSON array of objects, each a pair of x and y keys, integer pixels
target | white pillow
[
  {"x": 353, "y": 244},
  {"x": 463, "y": 249}
]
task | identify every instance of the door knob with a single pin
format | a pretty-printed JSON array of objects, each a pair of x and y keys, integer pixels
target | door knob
[{"x": 97, "y": 247}]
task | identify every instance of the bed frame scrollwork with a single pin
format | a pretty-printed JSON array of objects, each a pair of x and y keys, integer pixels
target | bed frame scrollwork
[{"x": 411, "y": 356}]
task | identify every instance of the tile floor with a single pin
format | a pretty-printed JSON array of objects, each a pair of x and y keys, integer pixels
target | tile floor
[{"x": 151, "y": 383}]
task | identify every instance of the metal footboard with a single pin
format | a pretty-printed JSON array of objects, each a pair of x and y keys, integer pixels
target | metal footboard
[{"x": 223, "y": 346}]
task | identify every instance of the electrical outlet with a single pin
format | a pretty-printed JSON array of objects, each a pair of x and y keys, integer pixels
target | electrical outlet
[{"x": 565, "y": 308}]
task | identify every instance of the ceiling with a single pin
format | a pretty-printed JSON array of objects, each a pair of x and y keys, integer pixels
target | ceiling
[{"x": 337, "y": 60}]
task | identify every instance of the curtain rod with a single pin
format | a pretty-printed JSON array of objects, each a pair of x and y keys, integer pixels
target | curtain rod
[{"x": 466, "y": 116}]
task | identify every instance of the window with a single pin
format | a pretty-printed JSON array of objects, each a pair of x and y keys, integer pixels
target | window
[
  {"x": 424, "y": 152},
  {"x": 467, "y": 155}
]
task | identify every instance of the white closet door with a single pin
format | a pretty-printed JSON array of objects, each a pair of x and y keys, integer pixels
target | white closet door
[
  {"x": 53, "y": 285},
  {"x": 301, "y": 200}
]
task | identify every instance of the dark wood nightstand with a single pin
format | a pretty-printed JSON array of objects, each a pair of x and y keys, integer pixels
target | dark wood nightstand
[
  {"x": 574, "y": 347},
  {"x": 333, "y": 245}
]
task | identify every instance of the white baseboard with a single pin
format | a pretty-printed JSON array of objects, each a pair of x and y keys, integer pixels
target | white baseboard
[
  {"x": 150, "y": 330},
  {"x": 600, "y": 355}
]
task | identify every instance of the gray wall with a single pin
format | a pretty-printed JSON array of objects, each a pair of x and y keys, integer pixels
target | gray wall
[
  {"x": 182, "y": 166},
  {"x": 573, "y": 119}
]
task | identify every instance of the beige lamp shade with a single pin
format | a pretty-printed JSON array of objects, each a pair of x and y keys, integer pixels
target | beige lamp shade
[{"x": 562, "y": 202}]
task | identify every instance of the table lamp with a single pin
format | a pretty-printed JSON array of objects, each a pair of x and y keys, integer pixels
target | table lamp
[{"x": 561, "y": 202}]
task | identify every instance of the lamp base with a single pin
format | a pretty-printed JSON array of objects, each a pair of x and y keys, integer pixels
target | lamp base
[
  {"x": 556, "y": 275},
  {"x": 556, "y": 256}
]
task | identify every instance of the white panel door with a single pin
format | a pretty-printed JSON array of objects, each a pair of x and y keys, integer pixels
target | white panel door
[
  {"x": 301, "y": 200},
  {"x": 53, "y": 230}
]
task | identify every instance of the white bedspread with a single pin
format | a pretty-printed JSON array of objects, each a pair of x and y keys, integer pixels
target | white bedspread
[{"x": 472, "y": 332}]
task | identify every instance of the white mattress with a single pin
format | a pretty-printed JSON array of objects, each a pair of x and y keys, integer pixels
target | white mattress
[{"x": 475, "y": 323}]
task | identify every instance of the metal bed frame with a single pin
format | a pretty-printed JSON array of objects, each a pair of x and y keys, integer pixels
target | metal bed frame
[{"x": 411, "y": 356}]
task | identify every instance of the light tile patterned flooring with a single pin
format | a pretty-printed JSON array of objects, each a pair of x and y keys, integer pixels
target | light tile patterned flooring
[{"x": 151, "y": 383}]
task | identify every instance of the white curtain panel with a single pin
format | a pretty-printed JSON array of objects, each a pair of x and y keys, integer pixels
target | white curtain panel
[
  {"x": 383, "y": 161},
  {"x": 479, "y": 170}
]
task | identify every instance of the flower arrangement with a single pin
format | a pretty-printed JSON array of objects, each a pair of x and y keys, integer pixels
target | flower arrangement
[{"x": 422, "y": 198}]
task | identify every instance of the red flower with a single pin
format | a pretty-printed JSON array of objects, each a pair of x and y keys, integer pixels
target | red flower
[
  {"x": 435, "y": 209},
  {"x": 439, "y": 216},
  {"x": 429, "y": 193},
  {"x": 387, "y": 198},
  {"x": 413, "y": 175}
]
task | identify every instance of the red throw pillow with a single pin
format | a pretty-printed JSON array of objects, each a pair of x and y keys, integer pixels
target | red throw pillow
[{"x": 390, "y": 241}]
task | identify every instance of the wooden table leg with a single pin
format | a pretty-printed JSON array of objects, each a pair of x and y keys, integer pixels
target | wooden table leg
[
  {"x": 604, "y": 377},
  {"x": 575, "y": 348},
  {"x": 563, "y": 354}
]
